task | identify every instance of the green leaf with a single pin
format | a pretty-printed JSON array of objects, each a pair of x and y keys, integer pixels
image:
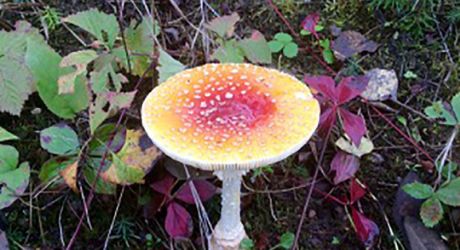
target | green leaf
[
  {"x": 418, "y": 190},
  {"x": 90, "y": 172},
  {"x": 51, "y": 169},
  {"x": 437, "y": 110},
  {"x": 286, "y": 240},
  {"x": 450, "y": 194},
  {"x": 168, "y": 66},
  {"x": 275, "y": 46},
  {"x": 455, "y": 102},
  {"x": 410, "y": 75},
  {"x": 59, "y": 139},
  {"x": 290, "y": 50},
  {"x": 247, "y": 244},
  {"x": 78, "y": 57},
  {"x": 328, "y": 56},
  {"x": 14, "y": 183},
  {"x": 139, "y": 41},
  {"x": 431, "y": 212},
  {"x": 325, "y": 43},
  {"x": 282, "y": 37},
  {"x": 15, "y": 88},
  {"x": 98, "y": 144},
  {"x": 8, "y": 158},
  {"x": 44, "y": 64},
  {"x": 102, "y": 26},
  {"x": 224, "y": 26},
  {"x": 448, "y": 170},
  {"x": 305, "y": 32},
  {"x": 229, "y": 52},
  {"x": 6, "y": 136},
  {"x": 256, "y": 48}
]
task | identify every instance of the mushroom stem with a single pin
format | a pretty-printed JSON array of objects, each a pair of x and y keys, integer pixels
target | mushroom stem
[{"x": 229, "y": 231}]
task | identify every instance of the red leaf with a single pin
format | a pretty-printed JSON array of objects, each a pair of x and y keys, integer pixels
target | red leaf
[
  {"x": 204, "y": 188},
  {"x": 356, "y": 191},
  {"x": 323, "y": 84},
  {"x": 310, "y": 22},
  {"x": 164, "y": 185},
  {"x": 354, "y": 125},
  {"x": 350, "y": 87},
  {"x": 327, "y": 120},
  {"x": 366, "y": 229},
  {"x": 178, "y": 222},
  {"x": 345, "y": 166}
]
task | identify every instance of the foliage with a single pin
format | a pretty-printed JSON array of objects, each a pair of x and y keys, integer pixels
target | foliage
[
  {"x": 233, "y": 50},
  {"x": 449, "y": 113},
  {"x": 432, "y": 211},
  {"x": 284, "y": 42},
  {"x": 13, "y": 178},
  {"x": 51, "y": 17}
]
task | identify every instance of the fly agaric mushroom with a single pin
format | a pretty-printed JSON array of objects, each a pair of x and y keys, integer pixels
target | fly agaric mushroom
[{"x": 230, "y": 118}]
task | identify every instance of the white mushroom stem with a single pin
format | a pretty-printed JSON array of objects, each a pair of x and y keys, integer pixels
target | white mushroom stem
[{"x": 229, "y": 231}]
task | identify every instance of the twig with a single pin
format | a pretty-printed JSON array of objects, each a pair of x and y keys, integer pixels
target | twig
[
  {"x": 61, "y": 230},
  {"x": 310, "y": 191},
  {"x": 408, "y": 138},
  {"x": 106, "y": 243}
]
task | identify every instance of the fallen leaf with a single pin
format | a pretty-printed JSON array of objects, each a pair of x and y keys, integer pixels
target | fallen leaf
[
  {"x": 164, "y": 185},
  {"x": 204, "y": 189},
  {"x": 345, "y": 166},
  {"x": 133, "y": 162},
  {"x": 224, "y": 26},
  {"x": 421, "y": 237},
  {"x": 431, "y": 212},
  {"x": 366, "y": 229},
  {"x": 3, "y": 241},
  {"x": 256, "y": 48},
  {"x": 365, "y": 146},
  {"x": 383, "y": 85},
  {"x": 69, "y": 174},
  {"x": 349, "y": 43},
  {"x": 357, "y": 191},
  {"x": 178, "y": 222},
  {"x": 353, "y": 125}
]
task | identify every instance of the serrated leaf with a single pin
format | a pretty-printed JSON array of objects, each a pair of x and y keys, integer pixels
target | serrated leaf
[
  {"x": 59, "y": 139},
  {"x": 168, "y": 66},
  {"x": 5, "y": 135},
  {"x": 80, "y": 60},
  {"x": 290, "y": 50},
  {"x": 224, "y": 26},
  {"x": 8, "y": 158},
  {"x": 275, "y": 46},
  {"x": 455, "y": 102},
  {"x": 282, "y": 37},
  {"x": 450, "y": 194},
  {"x": 14, "y": 183},
  {"x": 44, "y": 65},
  {"x": 431, "y": 212},
  {"x": 134, "y": 160},
  {"x": 102, "y": 26},
  {"x": 418, "y": 190},
  {"x": 15, "y": 87},
  {"x": 256, "y": 48}
]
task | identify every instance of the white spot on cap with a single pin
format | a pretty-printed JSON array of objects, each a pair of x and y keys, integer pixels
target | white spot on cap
[
  {"x": 228, "y": 95},
  {"x": 203, "y": 104},
  {"x": 301, "y": 95}
]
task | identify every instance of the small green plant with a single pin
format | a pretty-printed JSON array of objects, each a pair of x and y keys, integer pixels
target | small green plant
[
  {"x": 446, "y": 189},
  {"x": 284, "y": 42},
  {"x": 432, "y": 211},
  {"x": 51, "y": 17},
  {"x": 286, "y": 242},
  {"x": 328, "y": 55}
]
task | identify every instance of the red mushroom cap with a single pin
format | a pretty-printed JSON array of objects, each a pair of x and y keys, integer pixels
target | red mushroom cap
[{"x": 230, "y": 116}]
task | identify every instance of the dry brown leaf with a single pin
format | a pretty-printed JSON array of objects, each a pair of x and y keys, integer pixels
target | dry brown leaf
[{"x": 351, "y": 42}]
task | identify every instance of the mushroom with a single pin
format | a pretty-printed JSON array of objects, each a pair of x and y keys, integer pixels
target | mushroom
[{"x": 230, "y": 118}]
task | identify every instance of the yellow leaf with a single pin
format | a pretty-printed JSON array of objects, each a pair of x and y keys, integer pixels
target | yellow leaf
[{"x": 69, "y": 174}]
